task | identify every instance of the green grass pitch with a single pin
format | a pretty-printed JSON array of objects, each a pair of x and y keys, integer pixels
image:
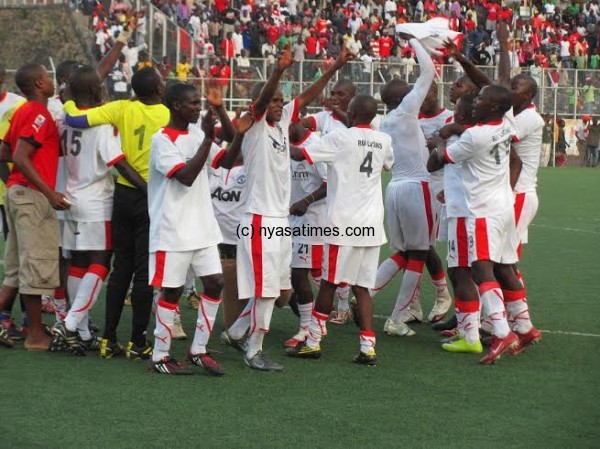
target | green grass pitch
[{"x": 418, "y": 395}]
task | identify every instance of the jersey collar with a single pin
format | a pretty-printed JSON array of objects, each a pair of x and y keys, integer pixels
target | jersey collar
[
  {"x": 173, "y": 133},
  {"x": 3, "y": 96},
  {"x": 493, "y": 123},
  {"x": 422, "y": 115},
  {"x": 363, "y": 126}
]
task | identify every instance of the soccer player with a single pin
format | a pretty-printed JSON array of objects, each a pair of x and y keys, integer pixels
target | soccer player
[
  {"x": 31, "y": 254},
  {"x": 355, "y": 159},
  {"x": 263, "y": 264},
  {"x": 484, "y": 152},
  {"x": 307, "y": 215},
  {"x": 408, "y": 196},
  {"x": 89, "y": 155},
  {"x": 178, "y": 202}
]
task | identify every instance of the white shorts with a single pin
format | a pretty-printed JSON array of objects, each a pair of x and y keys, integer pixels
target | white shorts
[
  {"x": 442, "y": 225},
  {"x": 263, "y": 264},
  {"x": 170, "y": 268},
  {"x": 440, "y": 221},
  {"x": 458, "y": 243},
  {"x": 493, "y": 238},
  {"x": 409, "y": 217},
  {"x": 86, "y": 235},
  {"x": 354, "y": 265},
  {"x": 526, "y": 206},
  {"x": 308, "y": 256}
]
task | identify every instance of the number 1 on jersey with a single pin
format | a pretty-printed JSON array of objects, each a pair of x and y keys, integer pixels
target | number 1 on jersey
[
  {"x": 141, "y": 131},
  {"x": 367, "y": 164}
]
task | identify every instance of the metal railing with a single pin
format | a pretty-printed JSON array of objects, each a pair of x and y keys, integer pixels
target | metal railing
[{"x": 27, "y": 3}]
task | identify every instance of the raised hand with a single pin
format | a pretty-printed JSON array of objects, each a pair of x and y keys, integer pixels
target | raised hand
[
  {"x": 213, "y": 94},
  {"x": 451, "y": 48},
  {"x": 344, "y": 56},
  {"x": 286, "y": 59},
  {"x": 502, "y": 33},
  {"x": 208, "y": 124}
]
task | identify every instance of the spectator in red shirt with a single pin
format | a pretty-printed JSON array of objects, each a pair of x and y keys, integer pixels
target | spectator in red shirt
[
  {"x": 31, "y": 255},
  {"x": 385, "y": 45},
  {"x": 454, "y": 22},
  {"x": 227, "y": 47},
  {"x": 312, "y": 44},
  {"x": 272, "y": 33},
  {"x": 469, "y": 23}
]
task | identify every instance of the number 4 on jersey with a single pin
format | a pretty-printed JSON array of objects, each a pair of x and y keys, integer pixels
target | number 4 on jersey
[{"x": 367, "y": 164}]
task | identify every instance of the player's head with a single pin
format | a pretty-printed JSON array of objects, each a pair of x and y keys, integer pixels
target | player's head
[
  {"x": 184, "y": 102},
  {"x": 64, "y": 70},
  {"x": 2, "y": 75},
  {"x": 492, "y": 103},
  {"x": 524, "y": 89},
  {"x": 148, "y": 84},
  {"x": 341, "y": 93},
  {"x": 394, "y": 92},
  {"x": 461, "y": 86},
  {"x": 362, "y": 110},
  {"x": 297, "y": 132},
  {"x": 33, "y": 80},
  {"x": 463, "y": 112},
  {"x": 85, "y": 86},
  {"x": 275, "y": 108},
  {"x": 431, "y": 103}
]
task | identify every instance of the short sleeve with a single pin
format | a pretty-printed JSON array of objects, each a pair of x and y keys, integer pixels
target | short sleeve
[
  {"x": 110, "y": 148},
  {"x": 168, "y": 159},
  {"x": 322, "y": 150},
  {"x": 460, "y": 150},
  {"x": 34, "y": 125},
  {"x": 291, "y": 113},
  {"x": 214, "y": 156}
]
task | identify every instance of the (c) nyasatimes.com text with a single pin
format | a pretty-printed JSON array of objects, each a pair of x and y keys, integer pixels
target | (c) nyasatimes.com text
[{"x": 304, "y": 231}]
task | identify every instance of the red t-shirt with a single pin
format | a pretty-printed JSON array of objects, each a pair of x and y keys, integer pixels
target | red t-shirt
[
  {"x": 33, "y": 122},
  {"x": 385, "y": 46},
  {"x": 311, "y": 45},
  {"x": 272, "y": 34}
]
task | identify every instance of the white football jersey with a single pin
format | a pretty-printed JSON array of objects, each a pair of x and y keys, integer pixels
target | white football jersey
[
  {"x": 429, "y": 125},
  {"x": 181, "y": 217},
  {"x": 355, "y": 159},
  {"x": 88, "y": 155},
  {"x": 306, "y": 178},
  {"x": 484, "y": 151},
  {"x": 266, "y": 151},
  {"x": 228, "y": 193},
  {"x": 55, "y": 106},
  {"x": 325, "y": 122},
  {"x": 528, "y": 143},
  {"x": 455, "y": 194},
  {"x": 8, "y": 100}
]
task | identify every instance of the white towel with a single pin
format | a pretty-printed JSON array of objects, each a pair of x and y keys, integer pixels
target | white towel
[{"x": 432, "y": 34}]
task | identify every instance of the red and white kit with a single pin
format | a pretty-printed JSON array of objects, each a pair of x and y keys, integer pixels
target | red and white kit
[
  {"x": 263, "y": 263},
  {"x": 527, "y": 144},
  {"x": 183, "y": 230},
  {"x": 355, "y": 159},
  {"x": 228, "y": 194},
  {"x": 429, "y": 125},
  {"x": 484, "y": 152},
  {"x": 307, "y": 243},
  {"x": 89, "y": 155}
]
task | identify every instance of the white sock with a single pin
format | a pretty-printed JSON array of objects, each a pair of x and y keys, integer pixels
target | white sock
[
  {"x": 261, "y": 320},
  {"x": 389, "y": 268},
  {"x": 342, "y": 293},
  {"x": 60, "y": 304},
  {"x": 518, "y": 310},
  {"x": 165, "y": 316},
  {"x": 493, "y": 308},
  {"x": 190, "y": 282},
  {"x": 409, "y": 289},
  {"x": 207, "y": 312},
  {"x": 467, "y": 315},
  {"x": 83, "y": 327},
  {"x": 367, "y": 341},
  {"x": 239, "y": 328},
  {"x": 86, "y": 297},
  {"x": 305, "y": 314},
  {"x": 439, "y": 283},
  {"x": 73, "y": 280},
  {"x": 316, "y": 329}
]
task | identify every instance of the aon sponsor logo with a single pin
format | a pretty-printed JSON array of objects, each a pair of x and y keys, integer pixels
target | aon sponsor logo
[{"x": 224, "y": 195}]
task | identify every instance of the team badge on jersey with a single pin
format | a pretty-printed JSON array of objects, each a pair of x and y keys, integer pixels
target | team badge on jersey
[{"x": 39, "y": 122}]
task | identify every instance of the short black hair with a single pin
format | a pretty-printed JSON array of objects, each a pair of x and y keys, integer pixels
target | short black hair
[
  {"x": 79, "y": 81},
  {"x": 27, "y": 75},
  {"x": 531, "y": 81},
  {"x": 465, "y": 104},
  {"x": 391, "y": 91},
  {"x": 176, "y": 92},
  {"x": 64, "y": 70},
  {"x": 365, "y": 107},
  {"x": 501, "y": 96},
  {"x": 144, "y": 82},
  {"x": 347, "y": 83}
]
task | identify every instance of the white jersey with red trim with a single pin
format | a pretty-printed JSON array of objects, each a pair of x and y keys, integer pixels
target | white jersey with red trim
[
  {"x": 484, "y": 151},
  {"x": 228, "y": 193},
  {"x": 8, "y": 100},
  {"x": 181, "y": 217},
  {"x": 355, "y": 159},
  {"x": 325, "y": 122},
  {"x": 266, "y": 151},
  {"x": 429, "y": 125},
  {"x": 306, "y": 178},
  {"x": 455, "y": 194},
  {"x": 527, "y": 144},
  {"x": 88, "y": 156}
]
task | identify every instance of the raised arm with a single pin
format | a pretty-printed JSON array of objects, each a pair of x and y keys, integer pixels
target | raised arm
[
  {"x": 479, "y": 78},
  {"x": 214, "y": 97},
  {"x": 504, "y": 61},
  {"x": 318, "y": 86},
  {"x": 234, "y": 148},
  {"x": 190, "y": 171},
  {"x": 262, "y": 102},
  {"x": 109, "y": 60},
  {"x": 414, "y": 99}
]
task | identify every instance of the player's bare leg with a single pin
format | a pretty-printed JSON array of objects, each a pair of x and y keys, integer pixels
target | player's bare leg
[
  {"x": 304, "y": 296},
  {"x": 492, "y": 301},
  {"x": 208, "y": 306},
  {"x": 443, "y": 299},
  {"x": 37, "y": 338},
  {"x": 411, "y": 282},
  {"x": 8, "y": 295},
  {"x": 515, "y": 300}
]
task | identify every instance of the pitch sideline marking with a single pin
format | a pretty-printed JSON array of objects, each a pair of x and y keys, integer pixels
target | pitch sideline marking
[{"x": 586, "y": 231}]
